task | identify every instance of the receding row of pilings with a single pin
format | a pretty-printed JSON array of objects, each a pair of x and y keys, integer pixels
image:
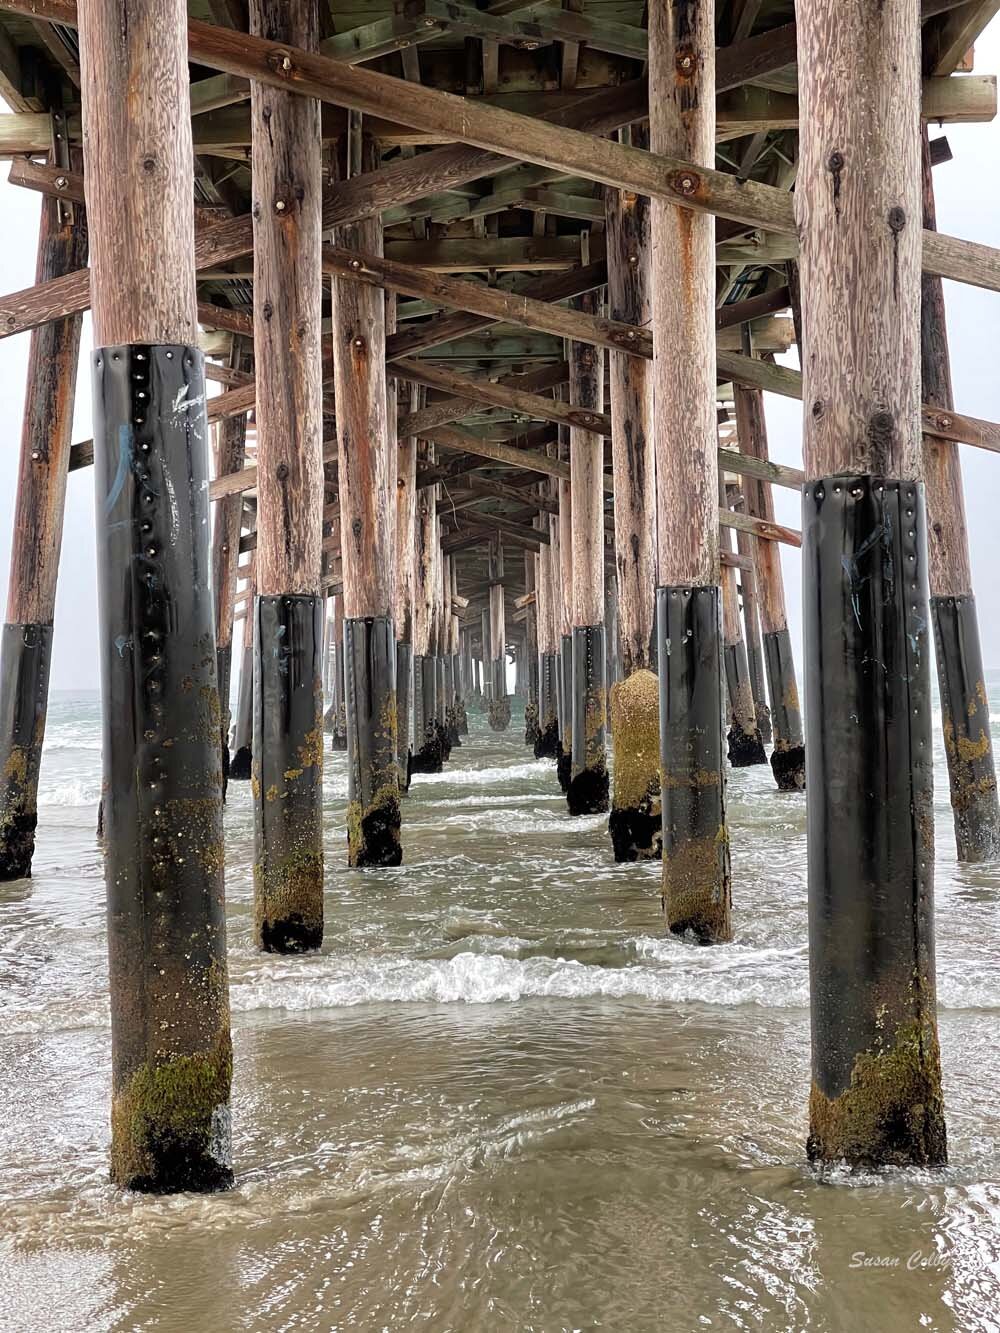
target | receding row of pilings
[{"x": 867, "y": 550}]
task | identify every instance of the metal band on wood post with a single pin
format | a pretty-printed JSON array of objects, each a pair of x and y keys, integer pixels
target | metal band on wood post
[
  {"x": 876, "y": 1077},
  {"x": 696, "y": 886},
  {"x": 287, "y": 770},
  {"x": 373, "y": 775},
  {"x": 876, "y": 1093}
]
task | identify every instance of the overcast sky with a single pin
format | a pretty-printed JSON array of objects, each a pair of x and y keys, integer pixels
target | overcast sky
[{"x": 968, "y": 204}]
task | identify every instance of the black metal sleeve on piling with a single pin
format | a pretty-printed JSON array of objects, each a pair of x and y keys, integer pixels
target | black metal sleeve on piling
[
  {"x": 224, "y": 666},
  {"x": 450, "y": 708},
  {"x": 499, "y": 706},
  {"x": 876, "y": 1090},
  {"x": 564, "y": 756},
  {"x": 461, "y": 694},
  {"x": 171, "y": 1052},
  {"x": 428, "y": 757},
  {"x": 25, "y": 657},
  {"x": 548, "y": 720},
  {"x": 288, "y": 772},
  {"x": 788, "y": 758},
  {"x": 441, "y": 708},
  {"x": 338, "y": 708},
  {"x": 532, "y": 729},
  {"x": 965, "y": 715},
  {"x": 373, "y": 819},
  {"x": 745, "y": 747},
  {"x": 589, "y": 787},
  {"x": 696, "y": 879},
  {"x": 404, "y": 711},
  {"x": 241, "y": 762}
]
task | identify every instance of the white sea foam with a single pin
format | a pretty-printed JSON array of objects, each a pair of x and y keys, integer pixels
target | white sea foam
[
  {"x": 70, "y": 791},
  {"x": 735, "y": 975},
  {"x": 484, "y": 777},
  {"x": 337, "y": 981}
]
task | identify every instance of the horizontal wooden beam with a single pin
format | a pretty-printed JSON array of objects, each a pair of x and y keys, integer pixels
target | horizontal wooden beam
[
  {"x": 954, "y": 426},
  {"x": 568, "y": 151}
]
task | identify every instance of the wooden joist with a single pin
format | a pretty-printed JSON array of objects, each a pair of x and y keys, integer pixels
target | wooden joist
[{"x": 568, "y": 151}]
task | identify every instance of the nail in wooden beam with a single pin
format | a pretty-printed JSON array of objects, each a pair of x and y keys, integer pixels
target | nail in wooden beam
[
  {"x": 171, "y": 1052},
  {"x": 876, "y": 1078},
  {"x": 288, "y": 608}
]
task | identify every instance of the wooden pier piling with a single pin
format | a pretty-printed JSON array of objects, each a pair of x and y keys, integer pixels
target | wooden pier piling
[
  {"x": 696, "y": 882},
  {"x": 965, "y": 708},
  {"x": 745, "y": 745},
  {"x": 367, "y": 473},
  {"x": 747, "y": 594},
  {"x": 564, "y": 554},
  {"x": 171, "y": 1052},
  {"x": 428, "y": 754},
  {"x": 406, "y": 508},
  {"x": 530, "y": 653},
  {"x": 499, "y": 704},
  {"x": 788, "y": 754},
  {"x": 634, "y": 824},
  {"x": 587, "y": 792},
  {"x": 288, "y": 607},
  {"x": 338, "y": 700},
  {"x": 876, "y": 1078},
  {"x": 547, "y": 743},
  {"x": 241, "y": 761},
  {"x": 26, "y": 641},
  {"x": 228, "y": 514}
]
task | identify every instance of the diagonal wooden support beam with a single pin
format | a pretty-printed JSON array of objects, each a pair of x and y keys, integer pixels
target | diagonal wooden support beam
[{"x": 496, "y": 130}]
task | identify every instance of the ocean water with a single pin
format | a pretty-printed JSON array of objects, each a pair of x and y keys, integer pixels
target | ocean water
[{"x": 499, "y": 1098}]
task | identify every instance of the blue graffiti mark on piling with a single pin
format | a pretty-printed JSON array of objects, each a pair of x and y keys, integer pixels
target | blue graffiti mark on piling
[{"x": 125, "y": 443}]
